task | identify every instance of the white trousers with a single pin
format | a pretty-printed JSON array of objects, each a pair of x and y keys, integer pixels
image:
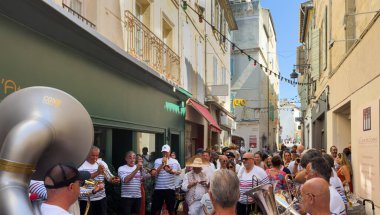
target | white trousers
[{"x": 196, "y": 208}]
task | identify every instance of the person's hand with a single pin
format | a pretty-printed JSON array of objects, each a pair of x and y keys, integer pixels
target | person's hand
[
  {"x": 101, "y": 169},
  {"x": 115, "y": 180},
  {"x": 204, "y": 183},
  {"x": 153, "y": 172},
  {"x": 98, "y": 187},
  {"x": 164, "y": 160},
  {"x": 193, "y": 184},
  {"x": 168, "y": 169}
]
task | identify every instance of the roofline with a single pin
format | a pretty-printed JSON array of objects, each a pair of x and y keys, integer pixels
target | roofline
[{"x": 229, "y": 14}]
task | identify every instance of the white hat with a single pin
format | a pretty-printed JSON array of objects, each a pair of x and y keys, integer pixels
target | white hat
[{"x": 165, "y": 148}]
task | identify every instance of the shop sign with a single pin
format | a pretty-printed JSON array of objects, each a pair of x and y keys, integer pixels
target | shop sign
[{"x": 8, "y": 86}]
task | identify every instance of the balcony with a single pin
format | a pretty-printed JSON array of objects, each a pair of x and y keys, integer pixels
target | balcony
[
  {"x": 144, "y": 45},
  {"x": 80, "y": 17}
]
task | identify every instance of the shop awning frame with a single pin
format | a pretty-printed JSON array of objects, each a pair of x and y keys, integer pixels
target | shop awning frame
[{"x": 202, "y": 110}]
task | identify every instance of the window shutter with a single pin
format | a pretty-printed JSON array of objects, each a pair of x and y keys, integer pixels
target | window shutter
[
  {"x": 301, "y": 58},
  {"x": 315, "y": 54},
  {"x": 212, "y": 12}
]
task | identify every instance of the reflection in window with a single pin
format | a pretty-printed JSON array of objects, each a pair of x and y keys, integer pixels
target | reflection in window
[
  {"x": 100, "y": 137},
  {"x": 145, "y": 140}
]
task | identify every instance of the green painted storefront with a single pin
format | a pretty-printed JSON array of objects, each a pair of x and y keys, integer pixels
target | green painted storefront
[{"x": 122, "y": 96}]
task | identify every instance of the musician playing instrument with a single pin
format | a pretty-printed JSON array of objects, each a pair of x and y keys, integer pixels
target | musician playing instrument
[
  {"x": 131, "y": 176},
  {"x": 249, "y": 176},
  {"x": 99, "y": 171},
  {"x": 62, "y": 182},
  {"x": 167, "y": 168}
]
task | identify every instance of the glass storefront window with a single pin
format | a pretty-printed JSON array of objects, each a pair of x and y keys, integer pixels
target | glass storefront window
[
  {"x": 100, "y": 140},
  {"x": 145, "y": 140}
]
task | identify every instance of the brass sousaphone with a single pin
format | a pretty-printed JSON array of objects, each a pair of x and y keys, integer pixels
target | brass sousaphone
[{"x": 39, "y": 127}]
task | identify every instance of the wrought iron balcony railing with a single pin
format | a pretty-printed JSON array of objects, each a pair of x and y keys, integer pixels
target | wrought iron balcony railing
[
  {"x": 144, "y": 45},
  {"x": 79, "y": 16}
]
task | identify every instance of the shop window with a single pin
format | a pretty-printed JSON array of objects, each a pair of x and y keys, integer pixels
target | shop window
[
  {"x": 145, "y": 140},
  {"x": 100, "y": 140},
  {"x": 367, "y": 119}
]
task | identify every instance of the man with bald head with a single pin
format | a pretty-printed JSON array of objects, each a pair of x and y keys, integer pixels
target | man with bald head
[
  {"x": 249, "y": 176},
  {"x": 316, "y": 197}
]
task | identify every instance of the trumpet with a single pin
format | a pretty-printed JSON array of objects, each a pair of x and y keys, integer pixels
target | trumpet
[{"x": 107, "y": 173}]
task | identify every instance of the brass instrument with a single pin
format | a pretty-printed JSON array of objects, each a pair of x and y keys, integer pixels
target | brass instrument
[
  {"x": 106, "y": 173},
  {"x": 86, "y": 192},
  {"x": 39, "y": 127},
  {"x": 269, "y": 202},
  {"x": 292, "y": 188},
  {"x": 264, "y": 198}
]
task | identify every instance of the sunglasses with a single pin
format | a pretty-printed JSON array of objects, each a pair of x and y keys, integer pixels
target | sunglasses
[{"x": 245, "y": 159}]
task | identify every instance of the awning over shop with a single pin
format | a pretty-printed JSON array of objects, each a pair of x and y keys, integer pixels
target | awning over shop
[{"x": 205, "y": 113}]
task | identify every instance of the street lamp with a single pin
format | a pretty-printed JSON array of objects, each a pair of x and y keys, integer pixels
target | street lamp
[{"x": 294, "y": 75}]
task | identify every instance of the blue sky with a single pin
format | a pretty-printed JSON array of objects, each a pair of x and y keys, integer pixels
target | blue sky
[{"x": 285, "y": 15}]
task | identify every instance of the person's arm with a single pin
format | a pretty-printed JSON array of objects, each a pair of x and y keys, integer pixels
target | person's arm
[
  {"x": 185, "y": 184},
  {"x": 129, "y": 177},
  {"x": 159, "y": 167},
  {"x": 346, "y": 174},
  {"x": 300, "y": 177},
  {"x": 99, "y": 171},
  {"x": 176, "y": 170},
  {"x": 295, "y": 168}
]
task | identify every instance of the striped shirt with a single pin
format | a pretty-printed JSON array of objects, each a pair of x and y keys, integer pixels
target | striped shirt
[
  {"x": 132, "y": 189},
  {"x": 336, "y": 203},
  {"x": 38, "y": 188},
  {"x": 86, "y": 166},
  {"x": 257, "y": 176},
  {"x": 337, "y": 184},
  {"x": 165, "y": 180}
]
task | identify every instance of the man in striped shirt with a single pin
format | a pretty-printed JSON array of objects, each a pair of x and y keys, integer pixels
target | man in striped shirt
[
  {"x": 167, "y": 168},
  {"x": 131, "y": 176},
  {"x": 97, "y": 168},
  {"x": 249, "y": 176}
]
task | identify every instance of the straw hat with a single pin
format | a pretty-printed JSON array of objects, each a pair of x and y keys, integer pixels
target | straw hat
[{"x": 197, "y": 162}]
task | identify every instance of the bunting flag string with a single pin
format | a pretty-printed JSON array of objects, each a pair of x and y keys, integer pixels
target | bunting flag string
[{"x": 235, "y": 47}]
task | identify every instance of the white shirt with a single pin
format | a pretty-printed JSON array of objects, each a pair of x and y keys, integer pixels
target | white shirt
[
  {"x": 248, "y": 181},
  {"x": 207, "y": 204},
  {"x": 336, "y": 202},
  {"x": 209, "y": 170},
  {"x": 199, "y": 188},
  {"x": 47, "y": 209},
  {"x": 291, "y": 167},
  {"x": 86, "y": 166}
]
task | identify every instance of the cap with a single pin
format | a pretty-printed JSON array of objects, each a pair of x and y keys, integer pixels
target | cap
[
  {"x": 199, "y": 151},
  {"x": 63, "y": 174},
  {"x": 165, "y": 148},
  {"x": 230, "y": 155}
]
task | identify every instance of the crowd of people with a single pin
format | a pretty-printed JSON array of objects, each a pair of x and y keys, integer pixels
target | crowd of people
[{"x": 210, "y": 183}]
